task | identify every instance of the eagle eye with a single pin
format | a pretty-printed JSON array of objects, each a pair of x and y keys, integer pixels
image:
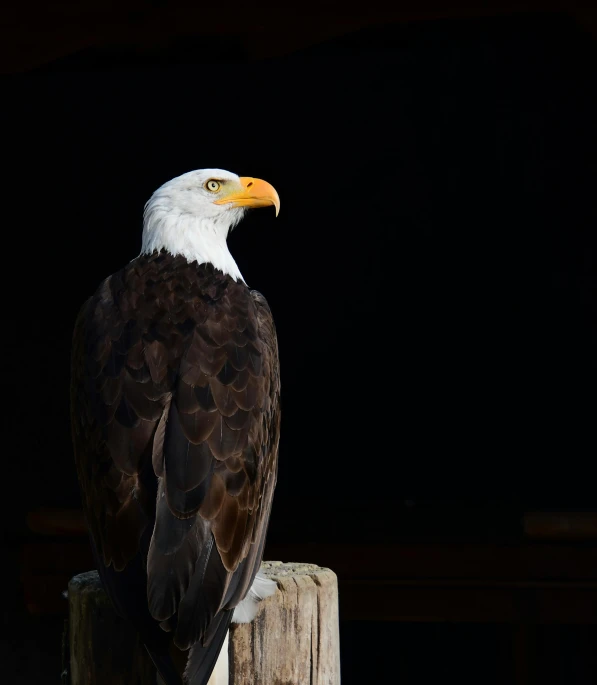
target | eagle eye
[{"x": 213, "y": 186}]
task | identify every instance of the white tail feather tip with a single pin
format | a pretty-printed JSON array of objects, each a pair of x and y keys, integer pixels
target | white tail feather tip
[{"x": 246, "y": 610}]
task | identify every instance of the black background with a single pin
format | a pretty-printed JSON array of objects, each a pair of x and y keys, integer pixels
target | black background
[{"x": 431, "y": 273}]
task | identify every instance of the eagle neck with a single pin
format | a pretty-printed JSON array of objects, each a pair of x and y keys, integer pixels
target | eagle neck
[{"x": 200, "y": 239}]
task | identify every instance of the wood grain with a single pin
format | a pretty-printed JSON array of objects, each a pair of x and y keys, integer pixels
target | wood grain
[{"x": 295, "y": 636}]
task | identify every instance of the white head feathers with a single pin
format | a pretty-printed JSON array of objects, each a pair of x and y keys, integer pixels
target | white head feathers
[{"x": 182, "y": 218}]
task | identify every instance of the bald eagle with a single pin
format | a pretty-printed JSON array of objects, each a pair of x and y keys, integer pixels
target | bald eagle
[{"x": 176, "y": 421}]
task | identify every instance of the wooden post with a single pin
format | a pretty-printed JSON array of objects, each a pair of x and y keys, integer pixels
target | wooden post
[
  {"x": 293, "y": 640},
  {"x": 294, "y": 637},
  {"x": 104, "y": 648}
]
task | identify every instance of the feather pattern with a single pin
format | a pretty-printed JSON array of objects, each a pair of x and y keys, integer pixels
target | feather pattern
[{"x": 175, "y": 421}]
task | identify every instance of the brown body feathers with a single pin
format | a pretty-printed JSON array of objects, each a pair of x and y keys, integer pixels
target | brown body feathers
[{"x": 175, "y": 416}]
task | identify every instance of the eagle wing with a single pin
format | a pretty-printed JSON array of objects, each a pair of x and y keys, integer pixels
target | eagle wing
[{"x": 175, "y": 415}]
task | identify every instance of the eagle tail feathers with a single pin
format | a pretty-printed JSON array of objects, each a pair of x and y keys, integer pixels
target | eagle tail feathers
[{"x": 202, "y": 660}]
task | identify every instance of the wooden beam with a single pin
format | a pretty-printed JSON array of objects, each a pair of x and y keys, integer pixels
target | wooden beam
[
  {"x": 464, "y": 562},
  {"x": 468, "y": 602},
  {"x": 31, "y": 38}
]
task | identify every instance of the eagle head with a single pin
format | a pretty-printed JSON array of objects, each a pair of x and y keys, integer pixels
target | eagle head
[{"x": 193, "y": 214}]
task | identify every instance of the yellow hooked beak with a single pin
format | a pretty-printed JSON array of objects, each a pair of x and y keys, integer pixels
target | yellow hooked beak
[{"x": 253, "y": 193}]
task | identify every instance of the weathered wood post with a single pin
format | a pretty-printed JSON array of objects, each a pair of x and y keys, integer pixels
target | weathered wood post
[
  {"x": 293, "y": 640},
  {"x": 104, "y": 648},
  {"x": 295, "y": 637}
]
